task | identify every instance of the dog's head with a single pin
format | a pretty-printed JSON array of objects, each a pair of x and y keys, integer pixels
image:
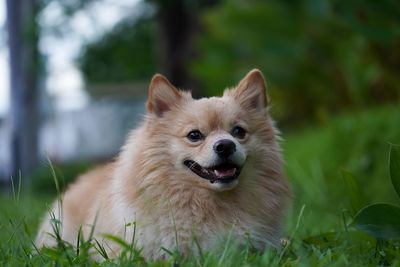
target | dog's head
[{"x": 212, "y": 141}]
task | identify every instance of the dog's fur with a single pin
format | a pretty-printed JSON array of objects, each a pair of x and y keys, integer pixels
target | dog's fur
[{"x": 150, "y": 185}]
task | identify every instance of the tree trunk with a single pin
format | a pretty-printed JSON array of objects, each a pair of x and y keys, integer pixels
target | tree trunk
[
  {"x": 22, "y": 41},
  {"x": 178, "y": 22}
]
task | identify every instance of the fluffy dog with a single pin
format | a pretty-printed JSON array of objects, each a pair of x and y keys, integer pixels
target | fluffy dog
[{"x": 193, "y": 170}]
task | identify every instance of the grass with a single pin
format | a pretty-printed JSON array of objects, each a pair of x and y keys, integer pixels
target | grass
[
  {"x": 338, "y": 247},
  {"x": 316, "y": 157},
  {"x": 317, "y": 226}
]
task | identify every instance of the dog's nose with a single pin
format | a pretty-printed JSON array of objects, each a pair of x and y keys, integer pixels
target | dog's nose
[{"x": 224, "y": 148}]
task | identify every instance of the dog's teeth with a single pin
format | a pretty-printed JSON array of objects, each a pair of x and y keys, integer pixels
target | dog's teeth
[{"x": 224, "y": 173}]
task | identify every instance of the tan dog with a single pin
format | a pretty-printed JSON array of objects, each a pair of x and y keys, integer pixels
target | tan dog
[{"x": 194, "y": 169}]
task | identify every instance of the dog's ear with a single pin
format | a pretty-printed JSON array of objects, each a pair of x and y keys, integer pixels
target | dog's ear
[
  {"x": 162, "y": 95},
  {"x": 251, "y": 91}
]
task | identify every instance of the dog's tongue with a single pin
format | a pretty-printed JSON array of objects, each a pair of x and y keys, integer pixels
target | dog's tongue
[{"x": 225, "y": 172}]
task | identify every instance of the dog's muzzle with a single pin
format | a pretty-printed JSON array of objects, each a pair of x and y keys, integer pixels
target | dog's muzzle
[{"x": 221, "y": 173}]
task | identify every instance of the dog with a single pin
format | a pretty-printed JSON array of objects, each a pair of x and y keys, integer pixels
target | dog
[{"x": 195, "y": 170}]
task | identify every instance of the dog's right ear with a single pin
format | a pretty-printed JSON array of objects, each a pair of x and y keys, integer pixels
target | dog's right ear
[
  {"x": 162, "y": 95},
  {"x": 251, "y": 91}
]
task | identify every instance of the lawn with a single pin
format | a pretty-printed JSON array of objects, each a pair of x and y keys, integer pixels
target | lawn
[{"x": 319, "y": 162}]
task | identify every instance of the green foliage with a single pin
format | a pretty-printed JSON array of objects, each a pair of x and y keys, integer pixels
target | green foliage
[
  {"x": 356, "y": 196},
  {"x": 357, "y": 143},
  {"x": 126, "y": 53},
  {"x": 379, "y": 220},
  {"x": 394, "y": 168},
  {"x": 318, "y": 56},
  {"x": 382, "y": 220}
]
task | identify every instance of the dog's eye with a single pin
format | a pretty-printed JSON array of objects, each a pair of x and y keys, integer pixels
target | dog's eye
[
  {"x": 238, "y": 132},
  {"x": 194, "y": 135}
]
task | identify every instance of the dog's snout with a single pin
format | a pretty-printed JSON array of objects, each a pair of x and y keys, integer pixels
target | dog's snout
[{"x": 224, "y": 148}]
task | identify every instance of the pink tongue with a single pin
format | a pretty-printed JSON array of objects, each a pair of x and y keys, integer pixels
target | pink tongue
[{"x": 225, "y": 173}]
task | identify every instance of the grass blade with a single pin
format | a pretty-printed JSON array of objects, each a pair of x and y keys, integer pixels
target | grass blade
[
  {"x": 394, "y": 167},
  {"x": 357, "y": 199}
]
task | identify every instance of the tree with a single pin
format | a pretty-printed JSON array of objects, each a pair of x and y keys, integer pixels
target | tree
[
  {"x": 24, "y": 117},
  {"x": 161, "y": 41},
  {"x": 179, "y": 25},
  {"x": 319, "y": 57},
  {"x": 124, "y": 54}
]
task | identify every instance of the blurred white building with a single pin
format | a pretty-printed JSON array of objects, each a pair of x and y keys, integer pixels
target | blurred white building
[{"x": 94, "y": 132}]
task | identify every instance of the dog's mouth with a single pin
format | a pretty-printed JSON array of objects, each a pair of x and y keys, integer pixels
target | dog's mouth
[{"x": 221, "y": 173}]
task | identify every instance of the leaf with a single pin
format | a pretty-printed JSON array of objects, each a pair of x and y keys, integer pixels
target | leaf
[
  {"x": 119, "y": 241},
  {"x": 394, "y": 167},
  {"x": 379, "y": 220}
]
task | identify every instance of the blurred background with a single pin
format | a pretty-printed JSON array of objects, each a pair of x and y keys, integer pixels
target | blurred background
[{"x": 74, "y": 76}]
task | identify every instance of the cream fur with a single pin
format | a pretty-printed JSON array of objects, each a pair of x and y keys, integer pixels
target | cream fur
[{"x": 148, "y": 183}]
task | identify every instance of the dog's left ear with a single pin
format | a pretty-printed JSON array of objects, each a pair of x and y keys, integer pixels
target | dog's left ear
[
  {"x": 162, "y": 95},
  {"x": 251, "y": 91}
]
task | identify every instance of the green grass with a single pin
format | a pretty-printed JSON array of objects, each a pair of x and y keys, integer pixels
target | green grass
[
  {"x": 317, "y": 226},
  {"x": 358, "y": 143},
  {"x": 19, "y": 221}
]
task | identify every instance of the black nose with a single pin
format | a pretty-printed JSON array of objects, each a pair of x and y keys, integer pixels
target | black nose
[{"x": 224, "y": 148}]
